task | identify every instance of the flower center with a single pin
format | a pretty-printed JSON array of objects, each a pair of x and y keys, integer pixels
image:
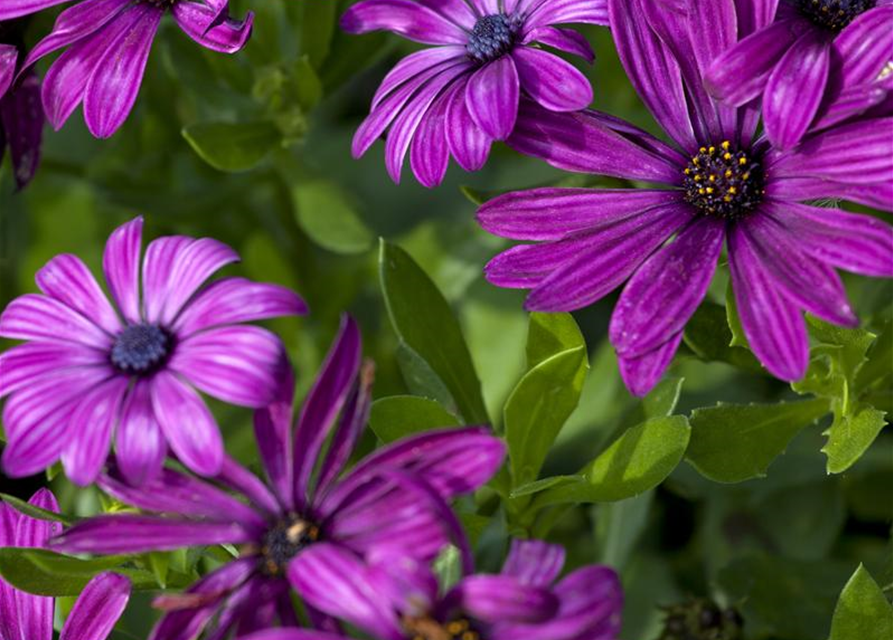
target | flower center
[
  {"x": 425, "y": 628},
  {"x": 722, "y": 182},
  {"x": 834, "y": 14},
  {"x": 286, "y": 539},
  {"x": 491, "y": 37},
  {"x": 140, "y": 349}
]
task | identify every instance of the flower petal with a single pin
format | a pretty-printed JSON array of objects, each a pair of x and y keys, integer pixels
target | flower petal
[
  {"x": 139, "y": 443},
  {"x": 665, "y": 291},
  {"x": 272, "y": 430},
  {"x": 413, "y": 65},
  {"x": 641, "y": 373},
  {"x": 67, "y": 279},
  {"x": 429, "y": 154},
  {"x": 566, "y": 40},
  {"x": 203, "y": 24},
  {"x": 534, "y": 562},
  {"x": 408, "y": 19},
  {"x": 492, "y": 95},
  {"x": 773, "y": 324},
  {"x": 98, "y": 608},
  {"x": 26, "y": 363},
  {"x": 187, "y": 424},
  {"x": 92, "y": 423},
  {"x": 17, "y": 8},
  {"x": 554, "y": 83},
  {"x": 504, "y": 599},
  {"x": 35, "y": 613},
  {"x": 38, "y": 317},
  {"x": 469, "y": 145},
  {"x": 121, "y": 264},
  {"x": 22, "y": 118},
  {"x": 566, "y": 11}
]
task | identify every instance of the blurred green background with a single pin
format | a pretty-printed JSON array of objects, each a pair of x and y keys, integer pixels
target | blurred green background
[{"x": 279, "y": 118}]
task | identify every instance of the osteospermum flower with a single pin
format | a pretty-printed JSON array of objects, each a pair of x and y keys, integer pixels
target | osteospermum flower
[
  {"x": 819, "y": 62},
  {"x": 24, "y": 616},
  {"x": 21, "y": 115},
  {"x": 382, "y": 501},
  {"x": 108, "y": 44},
  {"x": 90, "y": 371},
  {"x": 719, "y": 186},
  {"x": 396, "y": 598},
  {"x": 460, "y": 96}
]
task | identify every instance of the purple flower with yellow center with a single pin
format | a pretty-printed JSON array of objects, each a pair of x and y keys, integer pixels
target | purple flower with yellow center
[
  {"x": 818, "y": 63},
  {"x": 396, "y": 598},
  {"x": 107, "y": 46},
  {"x": 21, "y": 114},
  {"x": 91, "y": 371},
  {"x": 392, "y": 498},
  {"x": 458, "y": 97},
  {"x": 720, "y": 187},
  {"x": 24, "y": 616}
]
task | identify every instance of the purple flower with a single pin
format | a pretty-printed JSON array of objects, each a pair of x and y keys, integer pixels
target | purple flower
[
  {"x": 29, "y": 617},
  {"x": 21, "y": 115},
  {"x": 89, "y": 372},
  {"x": 720, "y": 186},
  {"x": 305, "y": 506},
  {"x": 396, "y": 598},
  {"x": 818, "y": 63},
  {"x": 460, "y": 96},
  {"x": 108, "y": 45}
]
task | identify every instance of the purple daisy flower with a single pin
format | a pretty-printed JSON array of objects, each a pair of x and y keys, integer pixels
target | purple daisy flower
[
  {"x": 305, "y": 505},
  {"x": 21, "y": 115},
  {"x": 396, "y": 598},
  {"x": 720, "y": 186},
  {"x": 24, "y": 616},
  {"x": 88, "y": 372},
  {"x": 818, "y": 63},
  {"x": 108, "y": 45},
  {"x": 460, "y": 96}
]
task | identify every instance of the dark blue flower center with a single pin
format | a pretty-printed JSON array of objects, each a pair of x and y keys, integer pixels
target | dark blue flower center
[
  {"x": 492, "y": 37},
  {"x": 286, "y": 539},
  {"x": 141, "y": 349},
  {"x": 834, "y": 14},
  {"x": 723, "y": 182},
  {"x": 425, "y": 628}
]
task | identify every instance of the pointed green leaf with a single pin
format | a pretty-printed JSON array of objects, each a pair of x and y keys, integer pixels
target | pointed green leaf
[
  {"x": 328, "y": 217},
  {"x": 551, "y": 333},
  {"x": 396, "y": 417},
  {"x": 850, "y": 436},
  {"x": 232, "y": 147},
  {"x": 862, "y": 612},
  {"x": 35, "y": 512}
]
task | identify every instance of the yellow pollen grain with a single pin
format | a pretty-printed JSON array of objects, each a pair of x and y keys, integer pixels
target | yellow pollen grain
[
  {"x": 712, "y": 150},
  {"x": 742, "y": 160},
  {"x": 726, "y": 144},
  {"x": 712, "y": 178},
  {"x": 697, "y": 177},
  {"x": 701, "y": 191},
  {"x": 733, "y": 190},
  {"x": 727, "y": 198},
  {"x": 728, "y": 173},
  {"x": 709, "y": 189},
  {"x": 727, "y": 156},
  {"x": 745, "y": 175},
  {"x": 687, "y": 171},
  {"x": 703, "y": 149}
]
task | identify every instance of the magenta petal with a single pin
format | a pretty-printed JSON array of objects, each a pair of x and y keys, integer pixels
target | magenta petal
[
  {"x": 429, "y": 154},
  {"x": 492, "y": 97},
  {"x": 92, "y": 424},
  {"x": 22, "y": 119},
  {"x": 115, "y": 83},
  {"x": 272, "y": 429},
  {"x": 664, "y": 293},
  {"x": 98, "y": 608},
  {"x": 31, "y": 532},
  {"x": 504, "y": 599},
  {"x": 469, "y": 145},
  {"x": 9, "y": 623},
  {"x": 24, "y": 364},
  {"x": 121, "y": 264},
  {"x": 139, "y": 443},
  {"x": 8, "y": 57},
  {"x": 409, "y": 19},
  {"x": 67, "y": 279},
  {"x": 187, "y": 424},
  {"x": 38, "y": 317},
  {"x": 534, "y": 562},
  {"x": 334, "y": 581},
  {"x": 568, "y": 11},
  {"x": 773, "y": 324},
  {"x": 323, "y": 403},
  {"x": 238, "y": 478},
  {"x": 851, "y": 241},
  {"x": 566, "y": 40},
  {"x": 795, "y": 89},
  {"x": 16, "y": 8},
  {"x": 554, "y": 83},
  {"x": 641, "y": 373},
  {"x": 412, "y": 66},
  {"x": 162, "y": 256},
  {"x": 116, "y": 534},
  {"x": 35, "y": 613},
  {"x": 203, "y": 24}
]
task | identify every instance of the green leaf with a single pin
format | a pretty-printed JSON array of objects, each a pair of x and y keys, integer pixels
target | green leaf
[
  {"x": 424, "y": 322},
  {"x": 739, "y": 339},
  {"x": 549, "y": 334},
  {"x": 307, "y": 84},
  {"x": 328, "y": 217},
  {"x": 48, "y": 573},
  {"x": 708, "y": 335},
  {"x": 850, "y": 436},
  {"x": 318, "y": 27},
  {"x": 733, "y": 443},
  {"x": 862, "y": 612},
  {"x": 159, "y": 563},
  {"x": 232, "y": 147},
  {"x": 35, "y": 512},
  {"x": 396, "y": 417},
  {"x": 618, "y": 527},
  {"x": 538, "y": 408},
  {"x": 638, "y": 460}
]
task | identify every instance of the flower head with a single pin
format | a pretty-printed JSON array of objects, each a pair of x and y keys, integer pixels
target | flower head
[
  {"x": 108, "y": 44},
  {"x": 91, "y": 371},
  {"x": 816, "y": 64},
  {"x": 396, "y": 598},
  {"x": 458, "y": 97},
  {"x": 28, "y": 617},
  {"x": 306, "y": 509},
  {"x": 719, "y": 186},
  {"x": 21, "y": 115}
]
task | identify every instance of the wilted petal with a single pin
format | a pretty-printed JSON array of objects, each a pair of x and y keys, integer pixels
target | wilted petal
[{"x": 203, "y": 24}]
